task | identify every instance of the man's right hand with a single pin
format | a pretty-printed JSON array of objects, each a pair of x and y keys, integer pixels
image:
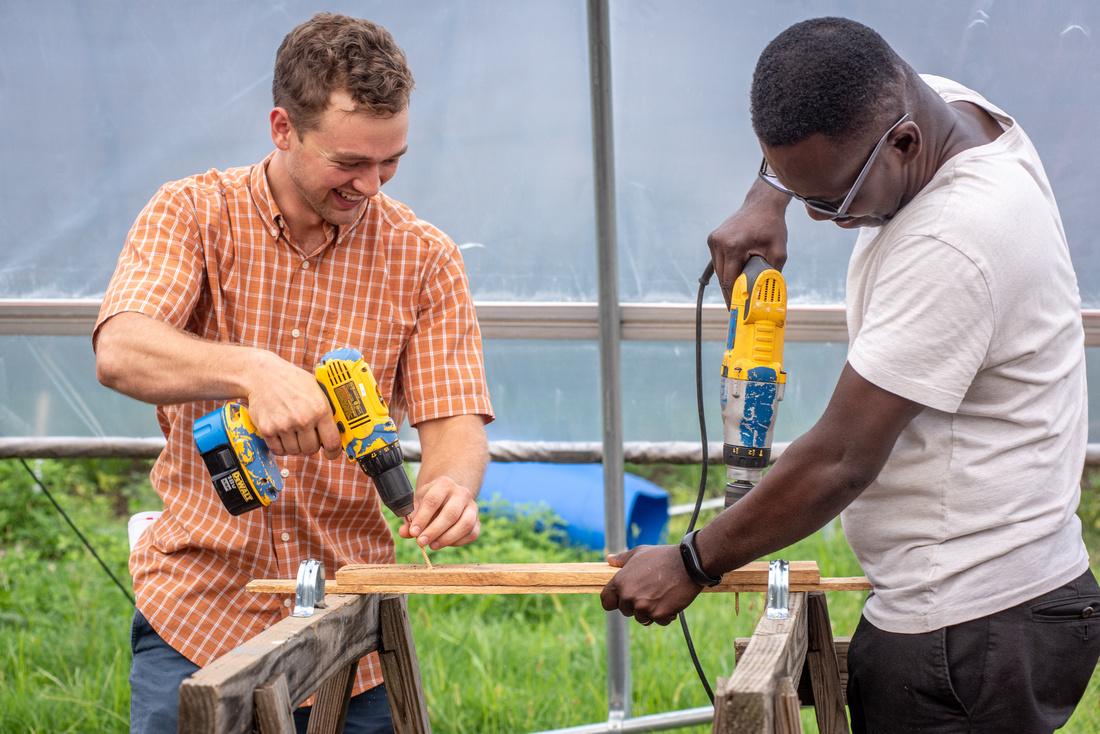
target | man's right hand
[
  {"x": 759, "y": 227},
  {"x": 290, "y": 410}
]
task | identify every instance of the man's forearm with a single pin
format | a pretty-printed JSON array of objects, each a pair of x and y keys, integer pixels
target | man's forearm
[
  {"x": 157, "y": 363},
  {"x": 455, "y": 447},
  {"x": 803, "y": 491},
  {"x": 818, "y": 476}
]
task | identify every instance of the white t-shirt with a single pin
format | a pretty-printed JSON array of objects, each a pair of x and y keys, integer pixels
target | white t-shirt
[{"x": 966, "y": 302}]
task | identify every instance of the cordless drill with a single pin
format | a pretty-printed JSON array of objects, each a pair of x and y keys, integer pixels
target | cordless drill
[
  {"x": 246, "y": 476},
  {"x": 752, "y": 374}
]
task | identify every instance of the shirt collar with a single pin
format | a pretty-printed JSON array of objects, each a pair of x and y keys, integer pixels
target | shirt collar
[
  {"x": 272, "y": 216},
  {"x": 260, "y": 190}
]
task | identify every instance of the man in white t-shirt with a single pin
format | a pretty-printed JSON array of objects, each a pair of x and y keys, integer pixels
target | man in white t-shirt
[{"x": 954, "y": 442}]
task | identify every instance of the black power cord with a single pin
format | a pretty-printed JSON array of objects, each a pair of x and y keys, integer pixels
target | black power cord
[
  {"x": 76, "y": 530},
  {"x": 704, "y": 279}
]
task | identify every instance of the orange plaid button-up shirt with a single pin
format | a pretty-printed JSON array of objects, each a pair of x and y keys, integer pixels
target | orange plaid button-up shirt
[{"x": 211, "y": 254}]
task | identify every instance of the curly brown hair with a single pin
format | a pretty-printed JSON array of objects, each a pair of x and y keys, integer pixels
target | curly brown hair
[{"x": 331, "y": 52}]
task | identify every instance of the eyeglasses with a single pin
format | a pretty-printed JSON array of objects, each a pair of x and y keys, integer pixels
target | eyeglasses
[{"x": 833, "y": 211}]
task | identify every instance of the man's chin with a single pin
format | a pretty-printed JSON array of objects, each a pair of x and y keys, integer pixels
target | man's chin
[
  {"x": 858, "y": 222},
  {"x": 343, "y": 217}
]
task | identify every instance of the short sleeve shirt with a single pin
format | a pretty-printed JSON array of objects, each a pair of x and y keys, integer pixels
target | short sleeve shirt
[
  {"x": 967, "y": 303},
  {"x": 211, "y": 255}
]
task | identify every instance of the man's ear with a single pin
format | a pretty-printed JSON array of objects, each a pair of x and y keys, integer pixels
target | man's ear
[
  {"x": 281, "y": 128},
  {"x": 907, "y": 140}
]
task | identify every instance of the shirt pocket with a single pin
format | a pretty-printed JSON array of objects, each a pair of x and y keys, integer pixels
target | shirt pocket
[{"x": 378, "y": 336}]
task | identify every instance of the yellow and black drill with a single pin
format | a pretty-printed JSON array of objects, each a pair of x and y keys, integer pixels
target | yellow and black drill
[
  {"x": 752, "y": 374},
  {"x": 246, "y": 476}
]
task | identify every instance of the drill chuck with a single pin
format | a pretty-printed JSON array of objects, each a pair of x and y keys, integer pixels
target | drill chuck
[
  {"x": 737, "y": 489},
  {"x": 386, "y": 468}
]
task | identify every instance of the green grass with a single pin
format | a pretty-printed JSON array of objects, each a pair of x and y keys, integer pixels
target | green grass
[{"x": 489, "y": 663}]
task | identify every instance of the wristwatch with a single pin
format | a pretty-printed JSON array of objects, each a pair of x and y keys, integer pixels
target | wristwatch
[{"x": 694, "y": 568}]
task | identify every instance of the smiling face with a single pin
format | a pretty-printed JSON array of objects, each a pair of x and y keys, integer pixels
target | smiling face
[
  {"x": 823, "y": 169},
  {"x": 336, "y": 166}
]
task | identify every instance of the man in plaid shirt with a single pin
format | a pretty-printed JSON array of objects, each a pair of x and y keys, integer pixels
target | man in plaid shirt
[{"x": 231, "y": 285}]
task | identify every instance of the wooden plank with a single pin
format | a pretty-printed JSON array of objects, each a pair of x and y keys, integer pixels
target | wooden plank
[
  {"x": 274, "y": 714},
  {"x": 805, "y": 688},
  {"x": 533, "y": 578},
  {"x": 845, "y": 583},
  {"x": 821, "y": 659},
  {"x": 745, "y": 703},
  {"x": 798, "y": 583},
  {"x": 401, "y": 670},
  {"x": 787, "y": 719},
  {"x": 286, "y": 586},
  {"x": 218, "y": 699},
  {"x": 330, "y": 705}
]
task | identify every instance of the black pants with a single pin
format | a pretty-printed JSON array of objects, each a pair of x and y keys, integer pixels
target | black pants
[{"x": 1022, "y": 670}]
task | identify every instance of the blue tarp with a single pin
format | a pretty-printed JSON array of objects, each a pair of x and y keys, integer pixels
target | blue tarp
[{"x": 574, "y": 492}]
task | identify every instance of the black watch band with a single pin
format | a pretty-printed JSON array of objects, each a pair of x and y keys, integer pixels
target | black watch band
[{"x": 694, "y": 568}]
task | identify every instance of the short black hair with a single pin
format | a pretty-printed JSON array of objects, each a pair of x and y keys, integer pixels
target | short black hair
[{"x": 832, "y": 76}]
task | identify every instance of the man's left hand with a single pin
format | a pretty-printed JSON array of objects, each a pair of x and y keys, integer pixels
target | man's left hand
[
  {"x": 653, "y": 585},
  {"x": 446, "y": 514}
]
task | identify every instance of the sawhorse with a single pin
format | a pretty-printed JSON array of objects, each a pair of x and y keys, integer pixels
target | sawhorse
[
  {"x": 786, "y": 662},
  {"x": 260, "y": 680},
  {"x": 259, "y": 683}
]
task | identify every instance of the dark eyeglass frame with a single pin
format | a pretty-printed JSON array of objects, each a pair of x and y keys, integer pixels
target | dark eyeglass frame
[{"x": 832, "y": 211}]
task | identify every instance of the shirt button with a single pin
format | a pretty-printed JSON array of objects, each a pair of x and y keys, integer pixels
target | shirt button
[
  {"x": 295, "y": 333},
  {"x": 285, "y": 537},
  {"x": 274, "y": 232},
  {"x": 305, "y": 265},
  {"x": 284, "y": 472},
  {"x": 286, "y": 602}
]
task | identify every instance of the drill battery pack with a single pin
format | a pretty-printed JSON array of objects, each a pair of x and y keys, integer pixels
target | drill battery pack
[{"x": 239, "y": 461}]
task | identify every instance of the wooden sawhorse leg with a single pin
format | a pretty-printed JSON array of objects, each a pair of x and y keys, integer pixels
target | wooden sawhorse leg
[
  {"x": 760, "y": 697},
  {"x": 261, "y": 681}
]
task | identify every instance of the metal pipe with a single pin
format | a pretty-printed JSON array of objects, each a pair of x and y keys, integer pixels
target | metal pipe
[
  {"x": 603, "y": 161},
  {"x": 517, "y": 320},
  {"x": 652, "y": 722},
  {"x": 553, "y": 452}
]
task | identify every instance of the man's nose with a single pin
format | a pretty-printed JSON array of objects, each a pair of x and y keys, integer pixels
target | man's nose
[
  {"x": 367, "y": 182},
  {"x": 816, "y": 215}
]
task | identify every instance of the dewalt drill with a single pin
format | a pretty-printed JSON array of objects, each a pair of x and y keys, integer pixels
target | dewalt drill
[
  {"x": 752, "y": 374},
  {"x": 245, "y": 474}
]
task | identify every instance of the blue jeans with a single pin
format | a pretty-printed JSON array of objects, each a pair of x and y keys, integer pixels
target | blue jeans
[{"x": 158, "y": 670}]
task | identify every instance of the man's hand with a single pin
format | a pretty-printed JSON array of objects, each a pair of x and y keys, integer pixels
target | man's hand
[
  {"x": 290, "y": 410},
  {"x": 653, "y": 585},
  {"x": 455, "y": 453},
  {"x": 446, "y": 514},
  {"x": 759, "y": 227}
]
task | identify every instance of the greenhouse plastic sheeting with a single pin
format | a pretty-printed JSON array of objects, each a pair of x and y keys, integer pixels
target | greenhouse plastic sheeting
[{"x": 101, "y": 102}]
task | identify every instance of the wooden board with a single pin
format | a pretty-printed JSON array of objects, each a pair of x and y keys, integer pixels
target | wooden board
[
  {"x": 519, "y": 578},
  {"x": 745, "y": 703},
  {"x": 805, "y": 687}
]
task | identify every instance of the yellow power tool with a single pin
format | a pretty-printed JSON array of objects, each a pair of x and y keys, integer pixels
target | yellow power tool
[
  {"x": 246, "y": 476},
  {"x": 753, "y": 379}
]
